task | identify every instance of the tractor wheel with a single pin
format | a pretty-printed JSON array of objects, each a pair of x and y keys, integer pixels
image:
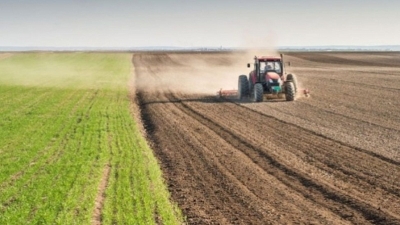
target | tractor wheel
[
  {"x": 290, "y": 91},
  {"x": 243, "y": 87},
  {"x": 258, "y": 92},
  {"x": 251, "y": 85},
  {"x": 293, "y": 78}
]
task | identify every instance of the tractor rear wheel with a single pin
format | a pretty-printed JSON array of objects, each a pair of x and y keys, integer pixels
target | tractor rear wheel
[
  {"x": 293, "y": 78},
  {"x": 258, "y": 92},
  {"x": 290, "y": 91},
  {"x": 243, "y": 87}
]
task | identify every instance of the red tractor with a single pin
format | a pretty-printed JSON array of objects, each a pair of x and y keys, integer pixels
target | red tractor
[{"x": 268, "y": 77}]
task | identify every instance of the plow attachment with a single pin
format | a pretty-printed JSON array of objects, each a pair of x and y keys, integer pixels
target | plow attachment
[{"x": 227, "y": 93}]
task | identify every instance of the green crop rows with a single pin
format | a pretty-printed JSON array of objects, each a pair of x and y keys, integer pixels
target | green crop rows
[{"x": 66, "y": 126}]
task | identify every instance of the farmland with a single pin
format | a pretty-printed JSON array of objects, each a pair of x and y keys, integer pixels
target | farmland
[
  {"x": 332, "y": 158},
  {"x": 75, "y": 131},
  {"x": 71, "y": 151}
]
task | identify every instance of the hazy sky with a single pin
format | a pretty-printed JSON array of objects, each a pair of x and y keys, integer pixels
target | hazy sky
[{"x": 192, "y": 23}]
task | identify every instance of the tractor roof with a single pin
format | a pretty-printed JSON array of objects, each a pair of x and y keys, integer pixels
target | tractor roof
[{"x": 268, "y": 58}]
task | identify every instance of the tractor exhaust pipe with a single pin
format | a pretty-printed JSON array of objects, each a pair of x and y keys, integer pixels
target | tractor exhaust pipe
[{"x": 283, "y": 64}]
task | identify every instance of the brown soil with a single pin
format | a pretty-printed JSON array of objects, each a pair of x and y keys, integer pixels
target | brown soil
[
  {"x": 5, "y": 55},
  {"x": 333, "y": 158}
]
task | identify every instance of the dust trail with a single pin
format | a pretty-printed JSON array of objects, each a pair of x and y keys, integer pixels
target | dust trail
[
  {"x": 194, "y": 73},
  {"x": 189, "y": 73},
  {"x": 199, "y": 73}
]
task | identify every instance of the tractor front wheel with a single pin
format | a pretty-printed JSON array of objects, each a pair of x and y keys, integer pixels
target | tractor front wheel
[
  {"x": 290, "y": 92},
  {"x": 258, "y": 92}
]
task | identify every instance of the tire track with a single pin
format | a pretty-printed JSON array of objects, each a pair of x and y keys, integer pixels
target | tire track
[{"x": 96, "y": 217}]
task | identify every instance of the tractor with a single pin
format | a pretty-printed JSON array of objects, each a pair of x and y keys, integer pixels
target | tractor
[{"x": 267, "y": 78}]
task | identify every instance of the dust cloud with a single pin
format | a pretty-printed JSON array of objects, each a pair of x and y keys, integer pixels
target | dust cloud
[
  {"x": 193, "y": 73},
  {"x": 201, "y": 72},
  {"x": 196, "y": 73}
]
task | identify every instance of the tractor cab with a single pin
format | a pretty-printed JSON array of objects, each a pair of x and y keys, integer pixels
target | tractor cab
[
  {"x": 264, "y": 65},
  {"x": 268, "y": 71}
]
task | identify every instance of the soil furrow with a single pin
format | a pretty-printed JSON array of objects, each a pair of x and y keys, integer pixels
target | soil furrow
[
  {"x": 262, "y": 192},
  {"x": 195, "y": 164},
  {"x": 242, "y": 163},
  {"x": 370, "y": 213}
]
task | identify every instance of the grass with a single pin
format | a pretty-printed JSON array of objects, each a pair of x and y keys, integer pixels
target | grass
[{"x": 65, "y": 118}]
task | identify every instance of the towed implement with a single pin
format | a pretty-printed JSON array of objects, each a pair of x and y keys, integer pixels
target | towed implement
[{"x": 266, "y": 79}]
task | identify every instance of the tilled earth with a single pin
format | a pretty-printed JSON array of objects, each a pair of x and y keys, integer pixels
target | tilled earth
[{"x": 332, "y": 158}]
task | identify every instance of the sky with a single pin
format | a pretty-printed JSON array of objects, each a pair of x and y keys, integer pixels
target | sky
[{"x": 198, "y": 23}]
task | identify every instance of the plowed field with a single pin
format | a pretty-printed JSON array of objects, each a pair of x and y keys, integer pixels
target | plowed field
[{"x": 332, "y": 158}]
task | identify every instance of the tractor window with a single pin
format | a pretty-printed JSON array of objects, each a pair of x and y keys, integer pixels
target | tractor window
[{"x": 270, "y": 66}]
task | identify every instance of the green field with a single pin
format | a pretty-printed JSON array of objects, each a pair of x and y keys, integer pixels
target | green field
[{"x": 66, "y": 129}]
